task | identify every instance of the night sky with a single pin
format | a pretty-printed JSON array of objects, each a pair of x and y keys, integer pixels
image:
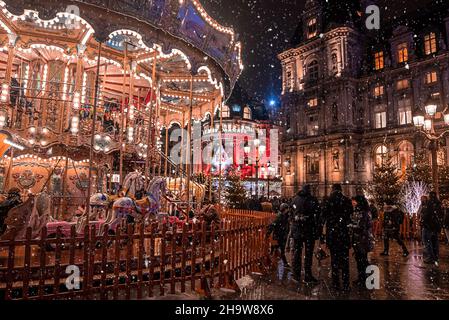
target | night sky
[{"x": 266, "y": 28}]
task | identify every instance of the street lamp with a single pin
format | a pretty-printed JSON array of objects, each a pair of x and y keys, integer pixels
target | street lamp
[{"x": 426, "y": 125}]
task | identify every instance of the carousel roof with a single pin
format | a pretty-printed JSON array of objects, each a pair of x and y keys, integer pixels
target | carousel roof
[{"x": 178, "y": 31}]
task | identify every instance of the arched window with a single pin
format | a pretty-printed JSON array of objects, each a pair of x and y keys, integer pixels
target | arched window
[
  {"x": 247, "y": 113},
  {"x": 380, "y": 154},
  {"x": 312, "y": 29},
  {"x": 313, "y": 70},
  {"x": 405, "y": 156},
  {"x": 225, "y": 112}
]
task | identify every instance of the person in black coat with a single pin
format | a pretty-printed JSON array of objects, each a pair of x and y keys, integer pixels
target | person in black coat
[
  {"x": 362, "y": 238},
  {"x": 393, "y": 218},
  {"x": 337, "y": 214},
  {"x": 12, "y": 200},
  {"x": 280, "y": 229},
  {"x": 305, "y": 231},
  {"x": 431, "y": 216}
]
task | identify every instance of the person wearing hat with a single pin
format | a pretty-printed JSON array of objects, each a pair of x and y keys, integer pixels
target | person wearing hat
[
  {"x": 280, "y": 228},
  {"x": 12, "y": 200}
]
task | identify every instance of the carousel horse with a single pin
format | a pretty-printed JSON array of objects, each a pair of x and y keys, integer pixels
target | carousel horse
[
  {"x": 40, "y": 215},
  {"x": 142, "y": 209},
  {"x": 199, "y": 191},
  {"x": 134, "y": 183},
  {"x": 18, "y": 220}
]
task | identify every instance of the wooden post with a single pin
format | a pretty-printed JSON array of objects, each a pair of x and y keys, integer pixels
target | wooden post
[
  {"x": 122, "y": 124},
  {"x": 150, "y": 124},
  {"x": 212, "y": 123},
  {"x": 92, "y": 138},
  {"x": 189, "y": 147},
  {"x": 166, "y": 149},
  {"x": 220, "y": 138},
  {"x": 10, "y": 167}
]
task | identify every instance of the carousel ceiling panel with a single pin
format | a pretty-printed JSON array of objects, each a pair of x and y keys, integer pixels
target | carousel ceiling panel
[{"x": 184, "y": 25}]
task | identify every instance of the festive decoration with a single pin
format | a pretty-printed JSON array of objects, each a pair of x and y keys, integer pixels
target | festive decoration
[
  {"x": 411, "y": 194},
  {"x": 386, "y": 185},
  {"x": 235, "y": 194}
]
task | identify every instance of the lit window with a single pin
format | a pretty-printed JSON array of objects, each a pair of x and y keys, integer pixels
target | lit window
[
  {"x": 430, "y": 43},
  {"x": 247, "y": 113},
  {"x": 402, "y": 84},
  {"x": 380, "y": 119},
  {"x": 380, "y": 155},
  {"x": 435, "y": 95},
  {"x": 313, "y": 70},
  {"x": 405, "y": 112},
  {"x": 379, "y": 60},
  {"x": 402, "y": 53},
  {"x": 313, "y": 102},
  {"x": 378, "y": 91},
  {"x": 225, "y": 112},
  {"x": 312, "y": 29},
  {"x": 431, "y": 77},
  {"x": 312, "y": 126}
]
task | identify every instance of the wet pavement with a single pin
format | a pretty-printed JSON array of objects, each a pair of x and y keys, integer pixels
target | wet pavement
[{"x": 400, "y": 279}]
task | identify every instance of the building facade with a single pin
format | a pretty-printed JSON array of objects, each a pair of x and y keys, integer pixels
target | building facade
[{"x": 349, "y": 94}]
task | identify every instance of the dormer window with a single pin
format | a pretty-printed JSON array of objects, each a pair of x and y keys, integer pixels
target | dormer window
[
  {"x": 379, "y": 62},
  {"x": 225, "y": 112},
  {"x": 430, "y": 43},
  {"x": 313, "y": 70},
  {"x": 379, "y": 91},
  {"x": 402, "y": 53},
  {"x": 431, "y": 77},
  {"x": 312, "y": 28},
  {"x": 247, "y": 113},
  {"x": 313, "y": 102}
]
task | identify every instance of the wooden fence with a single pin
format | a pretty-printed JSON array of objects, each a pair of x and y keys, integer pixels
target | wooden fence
[{"x": 136, "y": 262}]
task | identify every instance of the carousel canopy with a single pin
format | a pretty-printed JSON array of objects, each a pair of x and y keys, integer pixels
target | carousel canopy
[{"x": 153, "y": 61}]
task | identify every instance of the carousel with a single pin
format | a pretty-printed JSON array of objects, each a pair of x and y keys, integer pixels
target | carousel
[{"x": 89, "y": 92}]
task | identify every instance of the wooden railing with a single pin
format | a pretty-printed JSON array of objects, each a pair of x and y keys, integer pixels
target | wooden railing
[{"x": 134, "y": 262}]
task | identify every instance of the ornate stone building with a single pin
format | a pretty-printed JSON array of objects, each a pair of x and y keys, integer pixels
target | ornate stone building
[{"x": 349, "y": 94}]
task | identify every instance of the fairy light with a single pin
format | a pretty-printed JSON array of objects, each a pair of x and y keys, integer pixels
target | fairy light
[
  {"x": 5, "y": 93},
  {"x": 74, "y": 127},
  {"x": 76, "y": 101},
  {"x": 83, "y": 94},
  {"x": 2, "y": 120},
  {"x": 25, "y": 78},
  {"x": 211, "y": 21},
  {"x": 131, "y": 112},
  {"x": 44, "y": 87},
  {"x": 130, "y": 134}
]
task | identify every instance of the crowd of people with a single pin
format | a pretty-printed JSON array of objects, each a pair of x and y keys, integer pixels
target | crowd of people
[{"x": 341, "y": 224}]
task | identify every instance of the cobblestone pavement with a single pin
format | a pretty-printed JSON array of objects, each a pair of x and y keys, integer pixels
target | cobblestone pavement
[{"x": 400, "y": 279}]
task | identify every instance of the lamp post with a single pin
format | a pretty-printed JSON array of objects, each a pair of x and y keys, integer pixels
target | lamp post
[
  {"x": 425, "y": 122},
  {"x": 257, "y": 144}
]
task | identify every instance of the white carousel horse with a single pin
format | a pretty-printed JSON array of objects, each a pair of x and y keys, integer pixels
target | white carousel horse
[
  {"x": 150, "y": 205},
  {"x": 133, "y": 183}
]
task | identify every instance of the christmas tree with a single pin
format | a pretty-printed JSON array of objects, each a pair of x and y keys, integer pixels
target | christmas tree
[
  {"x": 387, "y": 184},
  {"x": 421, "y": 170},
  {"x": 235, "y": 193}
]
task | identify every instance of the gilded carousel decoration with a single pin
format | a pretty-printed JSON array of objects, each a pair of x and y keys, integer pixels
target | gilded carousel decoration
[{"x": 86, "y": 104}]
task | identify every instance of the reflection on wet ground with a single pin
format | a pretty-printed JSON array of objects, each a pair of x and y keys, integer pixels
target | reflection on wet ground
[{"x": 400, "y": 279}]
